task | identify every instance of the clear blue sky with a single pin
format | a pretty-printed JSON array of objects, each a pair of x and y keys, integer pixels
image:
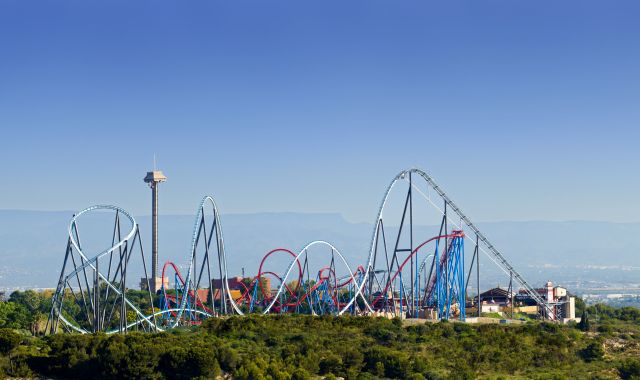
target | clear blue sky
[{"x": 520, "y": 109}]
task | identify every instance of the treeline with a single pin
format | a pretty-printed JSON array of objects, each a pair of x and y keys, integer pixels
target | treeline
[
  {"x": 300, "y": 347},
  {"x": 303, "y": 347},
  {"x": 605, "y": 313},
  {"x": 26, "y": 310}
]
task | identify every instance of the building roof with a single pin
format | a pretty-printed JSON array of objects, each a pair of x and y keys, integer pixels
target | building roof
[
  {"x": 496, "y": 292},
  {"x": 235, "y": 294}
]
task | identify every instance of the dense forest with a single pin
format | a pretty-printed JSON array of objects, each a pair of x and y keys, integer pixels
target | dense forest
[{"x": 303, "y": 347}]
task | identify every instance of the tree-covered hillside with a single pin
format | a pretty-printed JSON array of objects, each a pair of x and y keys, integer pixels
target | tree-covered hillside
[
  {"x": 605, "y": 345},
  {"x": 301, "y": 347}
]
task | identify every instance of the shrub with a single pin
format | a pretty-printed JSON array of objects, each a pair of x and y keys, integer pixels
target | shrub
[
  {"x": 330, "y": 364},
  {"x": 592, "y": 352},
  {"x": 629, "y": 369},
  {"x": 9, "y": 340}
]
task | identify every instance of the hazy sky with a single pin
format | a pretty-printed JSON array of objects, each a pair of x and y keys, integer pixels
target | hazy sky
[{"x": 520, "y": 109}]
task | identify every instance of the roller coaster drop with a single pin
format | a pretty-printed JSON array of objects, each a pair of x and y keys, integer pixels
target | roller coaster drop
[{"x": 92, "y": 293}]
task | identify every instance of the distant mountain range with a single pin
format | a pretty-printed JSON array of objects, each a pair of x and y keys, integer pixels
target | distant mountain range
[{"x": 32, "y": 245}]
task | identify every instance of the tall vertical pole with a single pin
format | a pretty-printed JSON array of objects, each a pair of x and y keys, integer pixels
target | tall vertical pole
[
  {"x": 511, "y": 290},
  {"x": 123, "y": 280},
  {"x": 154, "y": 228},
  {"x": 446, "y": 250},
  {"x": 413, "y": 295},
  {"x": 463, "y": 291},
  {"x": 153, "y": 179},
  {"x": 96, "y": 298},
  {"x": 478, "y": 276}
]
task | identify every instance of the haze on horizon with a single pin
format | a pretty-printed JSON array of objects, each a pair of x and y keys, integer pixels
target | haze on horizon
[{"x": 521, "y": 111}]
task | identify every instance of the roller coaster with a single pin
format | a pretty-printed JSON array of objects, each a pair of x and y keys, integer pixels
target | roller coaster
[{"x": 411, "y": 271}]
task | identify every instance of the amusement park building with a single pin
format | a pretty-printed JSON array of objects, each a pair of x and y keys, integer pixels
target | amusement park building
[
  {"x": 235, "y": 294},
  {"x": 238, "y": 285},
  {"x": 494, "y": 300},
  {"x": 499, "y": 299},
  {"x": 561, "y": 301},
  {"x": 158, "y": 283}
]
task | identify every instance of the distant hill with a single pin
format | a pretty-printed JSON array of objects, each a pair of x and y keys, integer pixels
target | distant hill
[{"x": 32, "y": 244}]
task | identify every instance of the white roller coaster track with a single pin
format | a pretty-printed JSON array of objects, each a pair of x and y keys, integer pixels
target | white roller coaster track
[
  {"x": 291, "y": 265},
  {"x": 90, "y": 263},
  {"x": 492, "y": 253}
]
